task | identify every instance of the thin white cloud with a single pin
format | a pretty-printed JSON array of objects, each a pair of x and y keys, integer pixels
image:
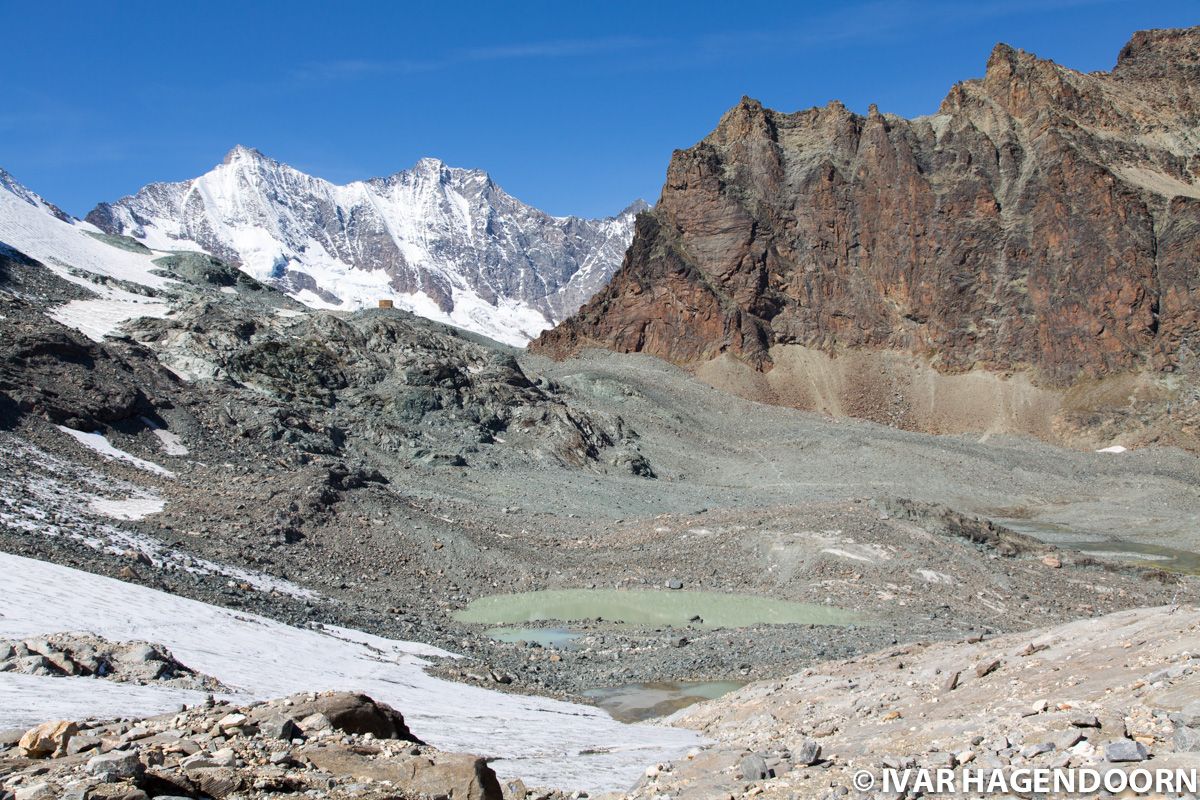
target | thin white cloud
[{"x": 348, "y": 69}]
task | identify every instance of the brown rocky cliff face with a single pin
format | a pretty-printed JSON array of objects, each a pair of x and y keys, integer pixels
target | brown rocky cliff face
[{"x": 1043, "y": 220}]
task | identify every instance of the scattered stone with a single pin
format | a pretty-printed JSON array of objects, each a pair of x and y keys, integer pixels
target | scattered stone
[
  {"x": 354, "y": 713},
  {"x": 951, "y": 682},
  {"x": 1186, "y": 740},
  {"x": 48, "y": 739},
  {"x": 1068, "y": 739},
  {"x": 116, "y": 766},
  {"x": 235, "y": 720},
  {"x": 754, "y": 768},
  {"x": 86, "y": 655},
  {"x": 987, "y": 667},
  {"x": 1035, "y": 709},
  {"x": 1035, "y": 750},
  {"x": 1124, "y": 750},
  {"x": 280, "y": 727},
  {"x": 37, "y": 791},
  {"x": 808, "y": 753}
]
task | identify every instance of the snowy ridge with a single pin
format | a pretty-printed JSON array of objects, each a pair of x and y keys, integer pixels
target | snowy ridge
[
  {"x": 67, "y": 247},
  {"x": 545, "y": 742},
  {"x": 445, "y": 243}
]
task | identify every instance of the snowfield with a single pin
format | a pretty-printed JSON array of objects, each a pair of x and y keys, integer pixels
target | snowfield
[
  {"x": 66, "y": 247},
  {"x": 99, "y": 444},
  {"x": 545, "y": 742}
]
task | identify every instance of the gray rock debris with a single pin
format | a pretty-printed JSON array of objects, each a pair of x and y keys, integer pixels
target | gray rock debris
[
  {"x": 361, "y": 749},
  {"x": 1124, "y": 750},
  {"x": 86, "y": 655}
]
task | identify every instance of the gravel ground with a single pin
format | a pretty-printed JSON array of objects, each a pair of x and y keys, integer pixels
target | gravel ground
[{"x": 433, "y": 469}]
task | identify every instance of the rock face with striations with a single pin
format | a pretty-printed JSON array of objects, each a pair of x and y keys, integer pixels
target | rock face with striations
[{"x": 1043, "y": 220}]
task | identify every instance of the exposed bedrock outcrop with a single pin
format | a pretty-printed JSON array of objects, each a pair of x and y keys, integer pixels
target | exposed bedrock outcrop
[{"x": 1043, "y": 221}]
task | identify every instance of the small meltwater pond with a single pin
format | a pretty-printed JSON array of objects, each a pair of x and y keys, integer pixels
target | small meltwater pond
[
  {"x": 1130, "y": 551},
  {"x": 546, "y": 637},
  {"x": 649, "y": 607}
]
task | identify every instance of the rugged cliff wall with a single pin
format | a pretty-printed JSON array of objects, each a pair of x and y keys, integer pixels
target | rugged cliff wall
[{"x": 1044, "y": 221}]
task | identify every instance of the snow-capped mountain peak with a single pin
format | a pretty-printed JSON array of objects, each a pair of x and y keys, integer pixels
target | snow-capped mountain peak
[
  {"x": 14, "y": 187},
  {"x": 241, "y": 151},
  {"x": 444, "y": 242}
]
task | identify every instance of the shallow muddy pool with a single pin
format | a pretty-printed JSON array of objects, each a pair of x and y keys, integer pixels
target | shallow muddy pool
[
  {"x": 546, "y": 637},
  {"x": 1127, "y": 550},
  {"x": 635, "y": 702},
  {"x": 648, "y": 607}
]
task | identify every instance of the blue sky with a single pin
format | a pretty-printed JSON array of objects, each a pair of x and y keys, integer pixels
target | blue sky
[{"x": 573, "y": 107}]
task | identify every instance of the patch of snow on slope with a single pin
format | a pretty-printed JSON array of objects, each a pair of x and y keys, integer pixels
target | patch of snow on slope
[
  {"x": 507, "y": 322},
  {"x": 172, "y": 445},
  {"x": 45, "y": 498},
  {"x": 31, "y": 225},
  {"x": 545, "y": 742},
  {"x": 101, "y": 445},
  {"x": 129, "y": 508},
  {"x": 96, "y": 319}
]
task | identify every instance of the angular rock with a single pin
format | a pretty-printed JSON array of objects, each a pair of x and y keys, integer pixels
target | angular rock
[
  {"x": 116, "y": 766},
  {"x": 235, "y": 720},
  {"x": 1068, "y": 739},
  {"x": 355, "y": 713},
  {"x": 48, "y": 739},
  {"x": 218, "y": 782},
  {"x": 1186, "y": 740},
  {"x": 1188, "y": 716},
  {"x": 1035, "y": 750},
  {"x": 514, "y": 789},
  {"x": 987, "y": 667},
  {"x": 464, "y": 777},
  {"x": 754, "y": 768},
  {"x": 808, "y": 753},
  {"x": 36, "y": 791},
  {"x": 10, "y": 738},
  {"x": 1124, "y": 750},
  {"x": 280, "y": 727}
]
